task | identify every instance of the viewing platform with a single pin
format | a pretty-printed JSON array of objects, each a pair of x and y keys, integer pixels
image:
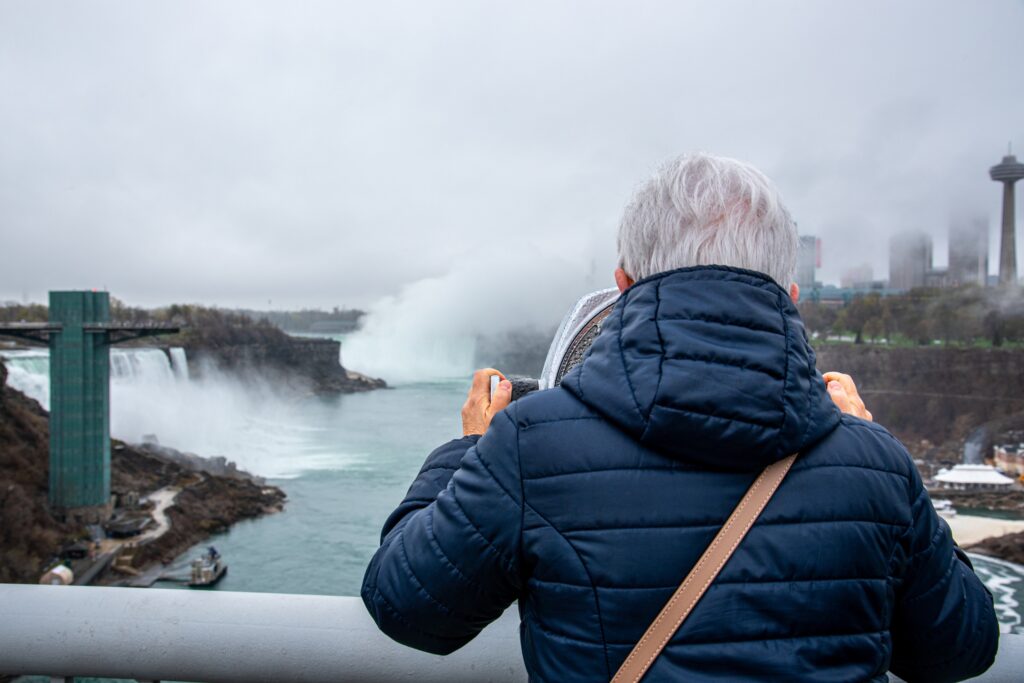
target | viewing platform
[{"x": 229, "y": 637}]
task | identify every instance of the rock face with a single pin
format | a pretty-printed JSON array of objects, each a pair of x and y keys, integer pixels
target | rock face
[
  {"x": 29, "y": 534},
  {"x": 1009, "y": 547},
  {"x": 216, "y": 465},
  {"x": 300, "y": 364},
  {"x": 933, "y": 393},
  {"x": 938, "y": 394},
  {"x": 207, "y": 504}
]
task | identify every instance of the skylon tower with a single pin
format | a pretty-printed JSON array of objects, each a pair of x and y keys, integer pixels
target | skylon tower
[{"x": 1008, "y": 172}]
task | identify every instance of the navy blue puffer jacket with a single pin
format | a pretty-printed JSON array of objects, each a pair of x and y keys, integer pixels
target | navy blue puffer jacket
[{"x": 589, "y": 503}]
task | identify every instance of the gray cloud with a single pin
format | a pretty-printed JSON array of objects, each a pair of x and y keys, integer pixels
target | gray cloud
[{"x": 330, "y": 154}]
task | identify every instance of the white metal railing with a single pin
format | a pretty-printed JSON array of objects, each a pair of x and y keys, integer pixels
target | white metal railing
[
  {"x": 223, "y": 636},
  {"x": 185, "y": 635}
]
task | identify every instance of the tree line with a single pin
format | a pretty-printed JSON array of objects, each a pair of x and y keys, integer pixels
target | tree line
[
  {"x": 202, "y": 326},
  {"x": 305, "y": 319},
  {"x": 299, "y": 321},
  {"x": 967, "y": 315}
]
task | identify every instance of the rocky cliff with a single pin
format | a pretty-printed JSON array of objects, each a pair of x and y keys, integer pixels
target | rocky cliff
[
  {"x": 29, "y": 534},
  {"x": 297, "y": 363},
  {"x": 935, "y": 394},
  {"x": 1009, "y": 547},
  {"x": 208, "y": 502},
  {"x": 939, "y": 394}
]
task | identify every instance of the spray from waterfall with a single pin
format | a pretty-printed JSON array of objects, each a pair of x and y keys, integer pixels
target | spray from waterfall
[
  {"x": 152, "y": 394},
  {"x": 429, "y": 330}
]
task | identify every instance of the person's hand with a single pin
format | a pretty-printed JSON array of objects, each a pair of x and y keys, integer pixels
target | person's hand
[
  {"x": 843, "y": 393},
  {"x": 478, "y": 409}
]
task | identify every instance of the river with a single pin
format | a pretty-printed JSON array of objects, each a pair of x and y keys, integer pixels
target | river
[{"x": 344, "y": 462}]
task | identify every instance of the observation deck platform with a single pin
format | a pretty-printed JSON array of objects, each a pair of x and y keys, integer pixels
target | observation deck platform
[{"x": 1009, "y": 170}]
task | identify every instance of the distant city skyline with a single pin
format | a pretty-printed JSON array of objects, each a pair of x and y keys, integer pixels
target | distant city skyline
[{"x": 912, "y": 261}]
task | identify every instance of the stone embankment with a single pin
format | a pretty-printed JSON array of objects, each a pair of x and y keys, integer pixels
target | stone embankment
[
  {"x": 298, "y": 364},
  {"x": 1009, "y": 547}
]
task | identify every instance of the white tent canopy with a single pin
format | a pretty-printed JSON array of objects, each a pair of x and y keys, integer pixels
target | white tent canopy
[{"x": 973, "y": 475}]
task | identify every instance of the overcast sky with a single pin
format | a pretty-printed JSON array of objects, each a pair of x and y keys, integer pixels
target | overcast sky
[{"x": 321, "y": 154}]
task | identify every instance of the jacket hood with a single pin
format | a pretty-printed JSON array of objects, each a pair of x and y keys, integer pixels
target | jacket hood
[{"x": 708, "y": 365}]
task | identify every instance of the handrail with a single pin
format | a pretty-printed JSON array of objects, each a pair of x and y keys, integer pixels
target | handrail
[{"x": 229, "y": 637}]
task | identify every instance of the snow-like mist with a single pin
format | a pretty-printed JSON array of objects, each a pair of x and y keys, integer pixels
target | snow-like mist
[
  {"x": 214, "y": 414},
  {"x": 430, "y": 329},
  {"x": 249, "y": 421}
]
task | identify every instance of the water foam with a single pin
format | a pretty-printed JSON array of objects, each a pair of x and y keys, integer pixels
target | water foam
[{"x": 152, "y": 393}]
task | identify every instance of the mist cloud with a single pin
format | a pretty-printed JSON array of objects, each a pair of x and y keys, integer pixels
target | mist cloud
[{"x": 322, "y": 153}]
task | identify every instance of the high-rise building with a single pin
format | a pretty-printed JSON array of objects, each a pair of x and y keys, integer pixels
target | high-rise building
[
  {"x": 1008, "y": 172},
  {"x": 857, "y": 277},
  {"x": 968, "y": 252},
  {"x": 808, "y": 260},
  {"x": 910, "y": 260}
]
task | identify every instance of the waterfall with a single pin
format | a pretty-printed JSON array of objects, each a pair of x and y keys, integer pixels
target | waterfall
[
  {"x": 29, "y": 370},
  {"x": 179, "y": 363},
  {"x": 29, "y": 373},
  {"x": 240, "y": 417},
  {"x": 141, "y": 366}
]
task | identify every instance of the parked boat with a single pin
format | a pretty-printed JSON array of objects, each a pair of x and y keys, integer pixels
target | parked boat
[
  {"x": 207, "y": 569},
  {"x": 944, "y": 508}
]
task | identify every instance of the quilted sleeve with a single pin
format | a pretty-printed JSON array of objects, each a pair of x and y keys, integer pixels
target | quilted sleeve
[
  {"x": 944, "y": 626},
  {"x": 448, "y": 563}
]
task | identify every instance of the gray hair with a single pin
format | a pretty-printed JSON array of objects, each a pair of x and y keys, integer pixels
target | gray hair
[{"x": 706, "y": 210}]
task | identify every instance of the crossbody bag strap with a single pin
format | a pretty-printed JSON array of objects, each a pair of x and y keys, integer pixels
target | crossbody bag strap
[{"x": 703, "y": 573}]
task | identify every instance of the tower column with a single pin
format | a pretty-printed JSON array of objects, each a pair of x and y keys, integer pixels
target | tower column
[
  {"x": 1008, "y": 172},
  {"x": 1008, "y": 241},
  {"x": 79, "y": 406}
]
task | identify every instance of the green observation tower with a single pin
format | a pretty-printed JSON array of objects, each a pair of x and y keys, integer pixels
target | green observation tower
[{"x": 79, "y": 334}]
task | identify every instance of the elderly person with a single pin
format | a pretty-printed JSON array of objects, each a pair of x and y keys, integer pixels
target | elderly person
[{"x": 588, "y": 503}]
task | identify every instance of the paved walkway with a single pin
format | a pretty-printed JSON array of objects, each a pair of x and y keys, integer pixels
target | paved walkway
[
  {"x": 161, "y": 499},
  {"x": 970, "y": 529}
]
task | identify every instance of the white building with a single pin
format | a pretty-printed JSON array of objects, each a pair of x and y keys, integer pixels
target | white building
[
  {"x": 972, "y": 477},
  {"x": 910, "y": 260},
  {"x": 1010, "y": 458}
]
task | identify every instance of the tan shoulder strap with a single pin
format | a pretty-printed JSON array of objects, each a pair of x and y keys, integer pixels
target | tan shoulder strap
[{"x": 703, "y": 573}]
